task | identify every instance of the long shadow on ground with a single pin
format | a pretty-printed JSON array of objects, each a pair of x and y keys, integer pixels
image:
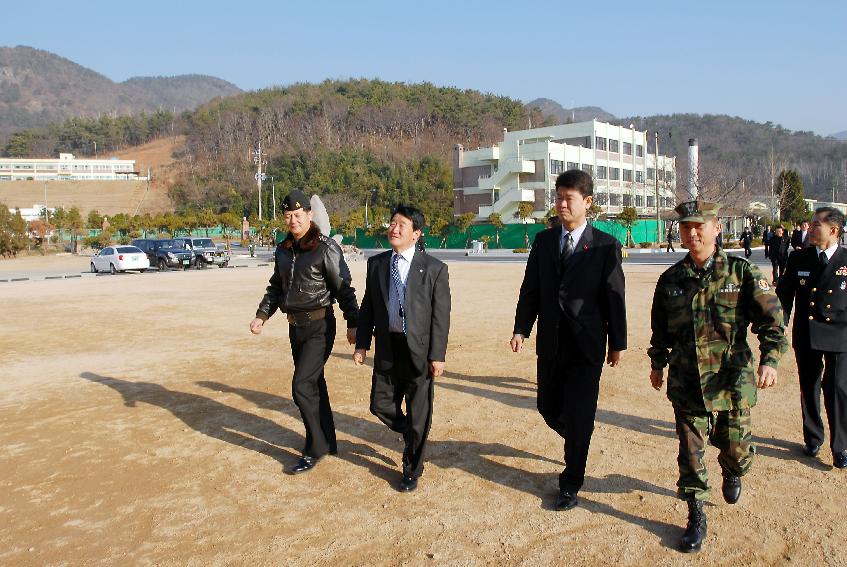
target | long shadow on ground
[{"x": 483, "y": 460}]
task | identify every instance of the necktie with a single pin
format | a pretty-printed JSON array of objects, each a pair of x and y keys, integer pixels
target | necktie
[
  {"x": 567, "y": 249},
  {"x": 399, "y": 288},
  {"x": 822, "y": 257}
]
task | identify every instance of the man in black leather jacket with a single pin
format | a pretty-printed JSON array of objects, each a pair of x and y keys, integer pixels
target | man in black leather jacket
[{"x": 310, "y": 274}]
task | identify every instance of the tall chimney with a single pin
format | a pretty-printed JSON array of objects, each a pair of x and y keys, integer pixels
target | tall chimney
[{"x": 693, "y": 169}]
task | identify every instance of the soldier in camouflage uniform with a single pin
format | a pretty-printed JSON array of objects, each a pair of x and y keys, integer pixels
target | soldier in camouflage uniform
[{"x": 701, "y": 309}]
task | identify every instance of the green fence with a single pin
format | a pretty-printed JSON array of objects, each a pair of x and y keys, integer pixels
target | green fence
[{"x": 511, "y": 237}]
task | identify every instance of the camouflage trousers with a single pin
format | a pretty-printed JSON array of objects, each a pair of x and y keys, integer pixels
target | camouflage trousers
[{"x": 730, "y": 431}]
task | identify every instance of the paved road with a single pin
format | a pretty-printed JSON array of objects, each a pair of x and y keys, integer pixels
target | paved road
[{"x": 264, "y": 259}]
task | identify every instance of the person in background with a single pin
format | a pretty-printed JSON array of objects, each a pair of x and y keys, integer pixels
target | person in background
[
  {"x": 670, "y": 238},
  {"x": 746, "y": 241},
  {"x": 766, "y": 239},
  {"x": 779, "y": 250}
]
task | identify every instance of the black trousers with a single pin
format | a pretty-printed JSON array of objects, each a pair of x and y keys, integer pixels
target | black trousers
[
  {"x": 568, "y": 387},
  {"x": 311, "y": 345},
  {"x": 388, "y": 392},
  {"x": 825, "y": 371},
  {"x": 778, "y": 266}
]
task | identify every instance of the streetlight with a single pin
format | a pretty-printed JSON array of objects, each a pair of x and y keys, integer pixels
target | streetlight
[
  {"x": 260, "y": 161},
  {"x": 273, "y": 195},
  {"x": 367, "y": 197}
]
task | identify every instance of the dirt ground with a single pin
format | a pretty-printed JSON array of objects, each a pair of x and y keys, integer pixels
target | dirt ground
[{"x": 143, "y": 424}]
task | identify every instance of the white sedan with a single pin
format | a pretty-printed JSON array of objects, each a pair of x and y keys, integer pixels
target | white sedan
[{"x": 119, "y": 259}]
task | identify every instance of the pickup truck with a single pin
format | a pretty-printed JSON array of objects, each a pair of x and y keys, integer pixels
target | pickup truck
[
  {"x": 204, "y": 252},
  {"x": 164, "y": 253}
]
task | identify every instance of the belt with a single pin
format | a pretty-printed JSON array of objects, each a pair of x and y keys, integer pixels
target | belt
[{"x": 305, "y": 317}]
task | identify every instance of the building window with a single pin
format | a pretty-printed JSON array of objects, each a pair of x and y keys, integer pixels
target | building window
[
  {"x": 572, "y": 165},
  {"x": 627, "y": 200},
  {"x": 651, "y": 201},
  {"x": 615, "y": 200},
  {"x": 639, "y": 150},
  {"x": 627, "y": 148},
  {"x": 601, "y": 198},
  {"x": 614, "y": 174},
  {"x": 651, "y": 173},
  {"x": 661, "y": 174},
  {"x": 639, "y": 176},
  {"x": 669, "y": 176},
  {"x": 627, "y": 175},
  {"x": 639, "y": 200},
  {"x": 601, "y": 143},
  {"x": 589, "y": 169},
  {"x": 601, "y": 172},
  {"x": 556, "y": 166},
  {"x": 613, "y": 146}
]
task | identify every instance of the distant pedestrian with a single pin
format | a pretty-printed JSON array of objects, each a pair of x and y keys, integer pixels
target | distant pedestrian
[
  {"x": 746, "y": 241},
  {"x": 779, "y": 249},
  {"x": 766, "y": 240},
  {"x": 670, "y": 237}
]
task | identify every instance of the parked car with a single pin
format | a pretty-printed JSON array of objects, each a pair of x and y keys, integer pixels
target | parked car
[
  {"x": 204, "y": 250},
  {"x": 119, "y": 259},
  {"x": 164, "y": 253}
]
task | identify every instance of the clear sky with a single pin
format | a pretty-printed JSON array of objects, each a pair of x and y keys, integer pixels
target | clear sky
[{"x": 764, "y": 60}]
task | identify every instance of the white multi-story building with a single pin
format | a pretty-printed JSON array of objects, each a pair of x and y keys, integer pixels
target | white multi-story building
[
  {"x": 524, "y": 167},
  {"x": 67, "y": 167}
]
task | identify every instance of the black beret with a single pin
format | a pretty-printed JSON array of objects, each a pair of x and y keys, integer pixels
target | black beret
[{"x": 296, "y": 200}]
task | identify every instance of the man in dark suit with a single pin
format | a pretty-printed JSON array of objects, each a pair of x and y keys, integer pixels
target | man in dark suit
[
  {"x": 800, "y": 236},
  {"x": 778, "y": 252},
  {"x": 574, "y": 286},
  {"x": 815, "y": 284},
  {"x": 407, "y": 308}
]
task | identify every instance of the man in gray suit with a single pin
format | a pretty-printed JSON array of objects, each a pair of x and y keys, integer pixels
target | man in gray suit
[{"x": 407, "y": 308}]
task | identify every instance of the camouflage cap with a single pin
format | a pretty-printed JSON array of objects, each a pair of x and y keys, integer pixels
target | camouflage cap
[
  {"x": 296, "y": 200},
  {"x": 697, "y": 211}
]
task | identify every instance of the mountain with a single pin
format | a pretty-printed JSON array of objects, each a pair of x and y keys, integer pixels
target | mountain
[
  {"x": 839, "y": 135},
  {"x": 564, "y": 115},
  {"x": 38, "y": 88},
  {"x": 733, "y": 149}
]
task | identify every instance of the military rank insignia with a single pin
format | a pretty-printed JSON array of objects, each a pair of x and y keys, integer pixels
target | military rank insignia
[
  {"x": 802, "y": 282},
  {"x": 764, "y": 285},
  {"x": 842, "y": 271}
]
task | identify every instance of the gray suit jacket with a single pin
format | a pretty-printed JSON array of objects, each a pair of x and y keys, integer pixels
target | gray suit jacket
[{"x": 427, "y": 311}]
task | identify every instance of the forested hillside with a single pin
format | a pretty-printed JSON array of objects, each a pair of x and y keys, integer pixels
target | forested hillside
[
  {"x": 732, "y": 149},
  {"x": 372, "y": 141}
]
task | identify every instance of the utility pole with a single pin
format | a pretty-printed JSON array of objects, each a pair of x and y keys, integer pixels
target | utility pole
[
  {"x": 273, "y": 194},
  {"x": 656, "y": 179},
  {"x": 259, "y": 160}
]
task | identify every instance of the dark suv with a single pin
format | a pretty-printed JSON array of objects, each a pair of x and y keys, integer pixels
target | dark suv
[
  {"x": 164, "y": 253},
  {"x": 204, "y": 251}
]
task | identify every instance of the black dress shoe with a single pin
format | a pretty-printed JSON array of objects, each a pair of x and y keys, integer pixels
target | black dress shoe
[
  {"x": 731, "y": 488},
  {"x": 811, "y": 450},
  {"x": 566, "y": 500},
  {"x": 305, "y": 464},
  {"x": 839, "y": 460},
  {"x": 695, "y": 531},
  {"x": 408, "y": 484}
]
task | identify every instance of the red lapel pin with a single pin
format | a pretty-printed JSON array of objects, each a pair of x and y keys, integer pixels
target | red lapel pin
[{"x": 585, "y": 246}]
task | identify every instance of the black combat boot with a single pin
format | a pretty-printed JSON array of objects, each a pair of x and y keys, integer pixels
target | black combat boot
[
  {"x": 731, "y": 488},
  {"x": 695, "y": 531}
]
